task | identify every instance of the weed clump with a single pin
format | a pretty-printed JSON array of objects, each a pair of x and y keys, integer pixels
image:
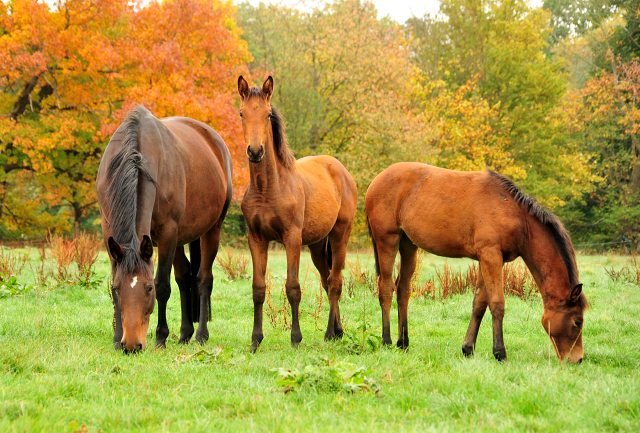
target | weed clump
[
  {"x": 322, "y": 374},
  {"x": 629, "y": 273},
  {"x": 234, "y": 264}
]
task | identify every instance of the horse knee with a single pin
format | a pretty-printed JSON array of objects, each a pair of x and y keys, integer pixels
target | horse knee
[
  {"x": 293, "y": 292},
  {"x": 163, "y": 292},
  {"x": 259, "y": 293}
]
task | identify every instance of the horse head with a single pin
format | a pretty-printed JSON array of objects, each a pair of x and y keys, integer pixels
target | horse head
[
  {"x": 563, "y": 323},
  {"x": 134, "y": 291}
]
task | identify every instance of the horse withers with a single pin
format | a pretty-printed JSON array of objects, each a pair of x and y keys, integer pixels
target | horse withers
[
  {"x": 311, "y": 201},
  {"x": 483, "y": 216},
  {"x": 165, "y": 182}
]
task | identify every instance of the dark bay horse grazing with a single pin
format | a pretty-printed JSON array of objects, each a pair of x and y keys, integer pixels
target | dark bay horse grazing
[
  {"x": 483, "y": 216},
  {"x": 166, "y": 182},
  {"x": 311, "y": 202}
]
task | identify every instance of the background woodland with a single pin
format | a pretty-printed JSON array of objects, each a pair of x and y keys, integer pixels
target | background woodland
[{"x": 547, "y": 96}]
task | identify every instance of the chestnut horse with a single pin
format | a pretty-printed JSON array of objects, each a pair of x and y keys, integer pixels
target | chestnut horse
[
  {"x": 311, "y": 202},
  {"x": 166, "y": 182},
  {"x": 483, "y": 216}
]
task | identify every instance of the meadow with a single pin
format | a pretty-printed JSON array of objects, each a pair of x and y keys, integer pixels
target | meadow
[{"x": 59, "y": 371}]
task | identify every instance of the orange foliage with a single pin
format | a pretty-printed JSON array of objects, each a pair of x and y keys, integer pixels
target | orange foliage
[{"x": 70, "y": 72}]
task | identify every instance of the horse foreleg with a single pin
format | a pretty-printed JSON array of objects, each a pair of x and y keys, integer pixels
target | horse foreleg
[
  {"x": 387, "y": 248},
  {"x": 259, "y": 248},
  {"x": 182, "y": 273},
  {"x": 491, "y": 268},
  {"x": 166, "y": 253},
  {"x": 408, "y": 257},
  {"x": 293, "y": 244},
  {"x": 209, "y": 244},
  {"x": 480, "y": 302}
]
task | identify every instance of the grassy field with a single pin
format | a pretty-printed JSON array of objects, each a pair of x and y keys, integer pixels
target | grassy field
[{"x": 59, "y": 371}]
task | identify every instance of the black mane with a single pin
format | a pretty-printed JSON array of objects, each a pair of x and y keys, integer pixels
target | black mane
[
  {"x": 279, "y": 132},
  {"x": 547, "y": 219},
  {"x": 123, "y": 174}
]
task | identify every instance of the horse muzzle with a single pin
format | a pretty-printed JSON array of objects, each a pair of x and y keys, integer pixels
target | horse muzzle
[{"x": 255, "y": 157}]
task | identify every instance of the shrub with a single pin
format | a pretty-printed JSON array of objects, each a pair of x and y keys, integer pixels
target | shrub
[
  {"x": 87, "y": 247},
  {"x": 11, "y": 264}
]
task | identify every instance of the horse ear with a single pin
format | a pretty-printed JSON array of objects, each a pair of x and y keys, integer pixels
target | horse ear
[
  {"x": 146, "y": 248},
  {"x": 575, "y": 293},
  {"x": 243, "y": 88},
  {"x": 115, "y": 250},
  {"x": 267, "y": 88}
]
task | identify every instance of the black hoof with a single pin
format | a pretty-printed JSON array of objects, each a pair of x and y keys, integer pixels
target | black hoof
[
  {"x": 256, "y": 339},
  {"x": 403, "y": 344},
  {"x": 184, "y": 339},
  {"x": 202, "y": 337},
  {"x": 386, "y": 341},
  {"x": 160, "y": 344},
  {"x": 330, "y": 337},
  {"x": 296, "y": 339},
  {"x": 500, "y": 354},
  {"x": 467, "y": 350}
]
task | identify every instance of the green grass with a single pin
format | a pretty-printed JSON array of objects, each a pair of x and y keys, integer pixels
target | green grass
[{"x": 58, "y": 369}]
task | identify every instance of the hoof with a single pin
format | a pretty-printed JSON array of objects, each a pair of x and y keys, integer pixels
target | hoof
[
  {"x": 403, "y": 343},
  {"x": 184, "y": 339},
  {"x": 335, "y": 336},
  {"x": 296, "y": 339},
  {"x": 467, "y": 350},
  {"x": 161, "y": 344},
  {"x": 500, "y": 354},
  {"x": 256, "y": 339},
  {"x": 202, "y": 337},
  {"x": 386, "y": 341}
]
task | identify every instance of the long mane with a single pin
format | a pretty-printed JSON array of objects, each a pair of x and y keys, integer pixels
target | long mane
[
  {"x": 123, "y": 173},
  {"x": 548, "y": 220},
  {"x": 280, "y": 142}
]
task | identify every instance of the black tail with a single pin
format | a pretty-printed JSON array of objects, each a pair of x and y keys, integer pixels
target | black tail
[
  {"x": 327, "y": 253},
  {"x": 375, "y": 249},
  {"x": 194, "y": 253}
]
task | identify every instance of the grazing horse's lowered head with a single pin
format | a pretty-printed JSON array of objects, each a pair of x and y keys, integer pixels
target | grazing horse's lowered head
[
  {"x": 134, "y": 289},
  {"x": 563, "y": 322}
]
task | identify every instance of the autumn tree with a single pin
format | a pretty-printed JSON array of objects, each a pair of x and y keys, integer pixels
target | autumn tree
[
  {"x": 71, "y": 71},
  {"x": 342, "y": 80}
]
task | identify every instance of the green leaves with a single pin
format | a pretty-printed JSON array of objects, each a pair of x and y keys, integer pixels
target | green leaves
[
  {"x": 323, "y": 374},
  {"x": 9, "y": 286}
]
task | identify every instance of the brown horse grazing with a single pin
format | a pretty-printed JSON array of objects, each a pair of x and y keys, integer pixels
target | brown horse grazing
[
  {"x": 483, "y": 216},
  {"x": 168, "y": 182},
  {"x": 311, "y": 202}
]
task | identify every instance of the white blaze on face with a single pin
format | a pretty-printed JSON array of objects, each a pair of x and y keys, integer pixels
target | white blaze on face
[{"x": 134, "y": 282}]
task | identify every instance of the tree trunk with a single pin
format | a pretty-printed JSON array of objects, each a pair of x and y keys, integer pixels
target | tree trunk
[{"x": 77, "y": 214}]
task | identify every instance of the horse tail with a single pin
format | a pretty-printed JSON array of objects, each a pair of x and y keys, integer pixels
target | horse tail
[
  {"x": 194, "y": 253},
  {"x": 375, "y": 249},
  {"x": 327, "y": 254}
]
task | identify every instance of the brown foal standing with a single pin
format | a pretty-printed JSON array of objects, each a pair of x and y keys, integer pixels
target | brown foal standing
[
  {"x": 311, "y": 202},
  {"x": 483, "y": 216}
]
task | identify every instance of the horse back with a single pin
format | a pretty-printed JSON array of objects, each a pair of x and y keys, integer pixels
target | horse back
[{"x": 446, "y": 212}]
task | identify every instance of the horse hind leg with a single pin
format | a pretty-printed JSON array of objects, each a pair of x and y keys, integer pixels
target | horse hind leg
[
  {"x": 319, "y": 258},
  {"x": 182, "y": 271},
  {"x": 387, "y": 248},
  {"x": 408, "y": 259},
  {"x": 338, "y": 239},
  {"x": 480, "y": 303},
  {"x": 209, "y": 244}
]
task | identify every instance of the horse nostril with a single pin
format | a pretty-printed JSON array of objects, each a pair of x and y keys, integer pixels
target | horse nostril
[
  {"x": 138, "y": 346},
  {"x": 579, "y": 361}
]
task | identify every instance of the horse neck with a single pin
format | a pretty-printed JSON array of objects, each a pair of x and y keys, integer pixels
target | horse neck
[
  {"x": 266, "y": 175},
  {"x": 545, "y": 262}
]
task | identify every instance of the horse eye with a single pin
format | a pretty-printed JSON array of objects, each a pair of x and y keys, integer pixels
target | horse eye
[
  {"x": 578, "y": 322},
  {"x": 240, "y": 114},
  {"x": 149, "y": 289}
]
